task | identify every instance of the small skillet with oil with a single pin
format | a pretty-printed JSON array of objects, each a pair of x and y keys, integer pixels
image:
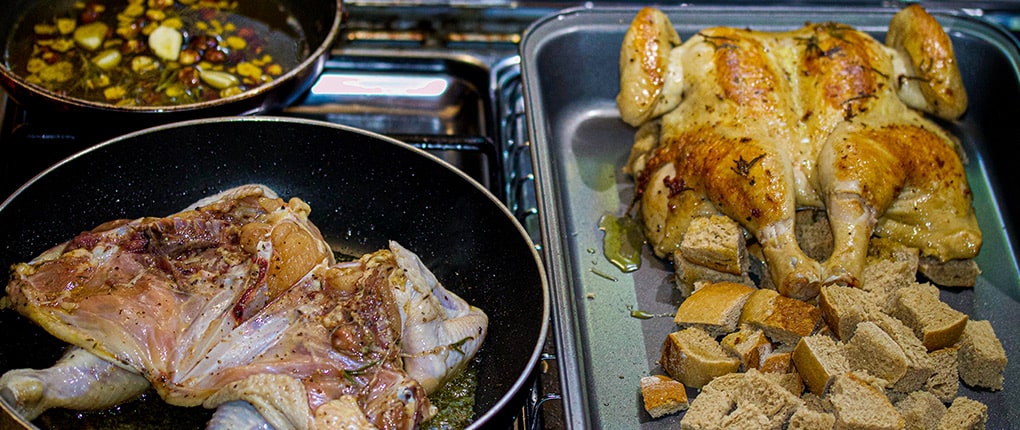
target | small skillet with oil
[{"x": 315, "y": 25}]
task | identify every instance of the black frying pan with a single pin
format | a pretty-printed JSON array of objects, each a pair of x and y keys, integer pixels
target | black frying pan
[
  {"x": 319, "y": 20},
  {"x": 363, "y": 188}
]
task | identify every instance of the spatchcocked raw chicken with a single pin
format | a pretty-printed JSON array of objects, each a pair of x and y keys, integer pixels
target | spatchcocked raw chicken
[
  {"x": 756, "y": 125},
  {"x": 237, "y": 303}
]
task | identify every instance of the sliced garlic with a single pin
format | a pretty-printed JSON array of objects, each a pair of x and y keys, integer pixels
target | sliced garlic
[
  {"x": 107, "y": 59},
  {"x": 45, "y": 29},
  {"x": 66, "y": 25},
  {"x": 91, "y": 36},
  {"x": 142, "y": 64},
  {"x": 219, "y": 80},
  {"x": 114, "y": 93},
  {"x": 166, "y": 43}
]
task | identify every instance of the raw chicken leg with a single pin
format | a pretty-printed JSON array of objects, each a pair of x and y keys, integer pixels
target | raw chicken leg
[{"x": 79, "y": 380}]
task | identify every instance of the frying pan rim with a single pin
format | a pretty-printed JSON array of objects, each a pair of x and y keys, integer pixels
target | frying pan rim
[
  {"x": 304, "y": 66},
  {"x": 524, "y": 377}
]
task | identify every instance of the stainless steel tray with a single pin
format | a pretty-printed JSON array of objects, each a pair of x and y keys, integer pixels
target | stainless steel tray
[{"x": 570, "y": 74}]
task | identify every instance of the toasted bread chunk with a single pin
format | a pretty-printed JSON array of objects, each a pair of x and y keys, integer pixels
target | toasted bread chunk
[
  {"x": 741, "y": 400},
  {"x": 945, "y": 383},
  {"x": 809, "y": 419},
  {"x": 819, "y": 359},
  {"x": 919, "y": 365},
  {"x": 791, "y": 381},
  {"x": 716, "y": 242},
  {"x": 815, "y": 402},
  {"x": 778, "y": 361},
  {"x": 845, "y": 307},
  {"x": 921, "y": 410},
  {"x": 714, "y": 307},
  {"x": 694, "y": 357},
  {"x": 746, "y": 416},
  {"x": 783, "y": 319},
  {"x": 713, "y": 250},
  {"x": 750, "y": 344},
  {"x": 934, "y": 322},
  {"x": 663, "y": 396},
  {"x": 814, "y": 235},
  {"x": 890, "y": 266},
  {"x": 775, "y": 399},
  {"x": 708, "y": 410},
  {"x": 952, "y": 273},
  {"x": 964, "y": 414},
  {"x": 860, "y": 405},
  {"x": 871, "y": 349},
  {"x": 758, "y": 307},
  {"x": 690, "y": 276},
  {"x": 982, "y": 359}
]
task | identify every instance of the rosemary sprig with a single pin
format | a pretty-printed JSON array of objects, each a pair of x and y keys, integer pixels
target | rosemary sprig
[
  {"x": 350, "y": 374},
  {"x": 743, "y": 167},
  {"x": 456, "y": 345},
  {"x": 719, "y": 42}
]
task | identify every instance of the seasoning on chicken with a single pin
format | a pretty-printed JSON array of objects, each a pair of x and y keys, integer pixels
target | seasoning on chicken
[
  {"x": 238, "y": 301},
  {"x": 756, "y": 125}
]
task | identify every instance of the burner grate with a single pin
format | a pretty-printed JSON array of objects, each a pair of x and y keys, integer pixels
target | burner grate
[
  {"x": 515, "y": 147},
  {"x": 542, "y": 410}
]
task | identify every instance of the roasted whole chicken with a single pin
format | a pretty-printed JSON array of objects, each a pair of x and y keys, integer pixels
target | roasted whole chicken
[
  {"x": 757, "y": 125},
  {"x": 237, "y": 303}
]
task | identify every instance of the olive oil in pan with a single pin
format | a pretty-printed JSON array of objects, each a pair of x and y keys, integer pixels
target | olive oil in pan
[
  {"x": 149, "y": 412},
  {"x": 153, "y": 53},
  {"x": 622, "y": 241},
  {"x": 455, "y": 402}
]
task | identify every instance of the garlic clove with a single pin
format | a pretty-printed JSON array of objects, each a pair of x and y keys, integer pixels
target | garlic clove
[
  {"x": 219, "y": 80},
  {"x": 91, "y": 36},
  {"x": 166, "y": 43},
  {"x": 107, "y": 59}
]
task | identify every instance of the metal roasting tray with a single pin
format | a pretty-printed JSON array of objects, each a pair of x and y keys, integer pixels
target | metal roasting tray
[{"x": 570, "y": 73}]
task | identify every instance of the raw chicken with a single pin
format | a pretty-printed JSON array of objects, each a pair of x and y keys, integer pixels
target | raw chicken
[
  {"x": 237, "y": 301},
  {"x": 756, "y": 125},
  {"x": 79, "y": 380}
]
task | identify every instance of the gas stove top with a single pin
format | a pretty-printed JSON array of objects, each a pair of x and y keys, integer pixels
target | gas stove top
[{"x": 443, "y": 76}]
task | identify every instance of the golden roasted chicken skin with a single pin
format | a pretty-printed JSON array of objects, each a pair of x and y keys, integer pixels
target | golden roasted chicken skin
[{"x": 756, "y": 125}]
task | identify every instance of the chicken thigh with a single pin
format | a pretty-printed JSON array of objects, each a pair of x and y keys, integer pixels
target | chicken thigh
[
  {"x": 238, "y": 301},
  {"x": 756, "y": 125}
]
